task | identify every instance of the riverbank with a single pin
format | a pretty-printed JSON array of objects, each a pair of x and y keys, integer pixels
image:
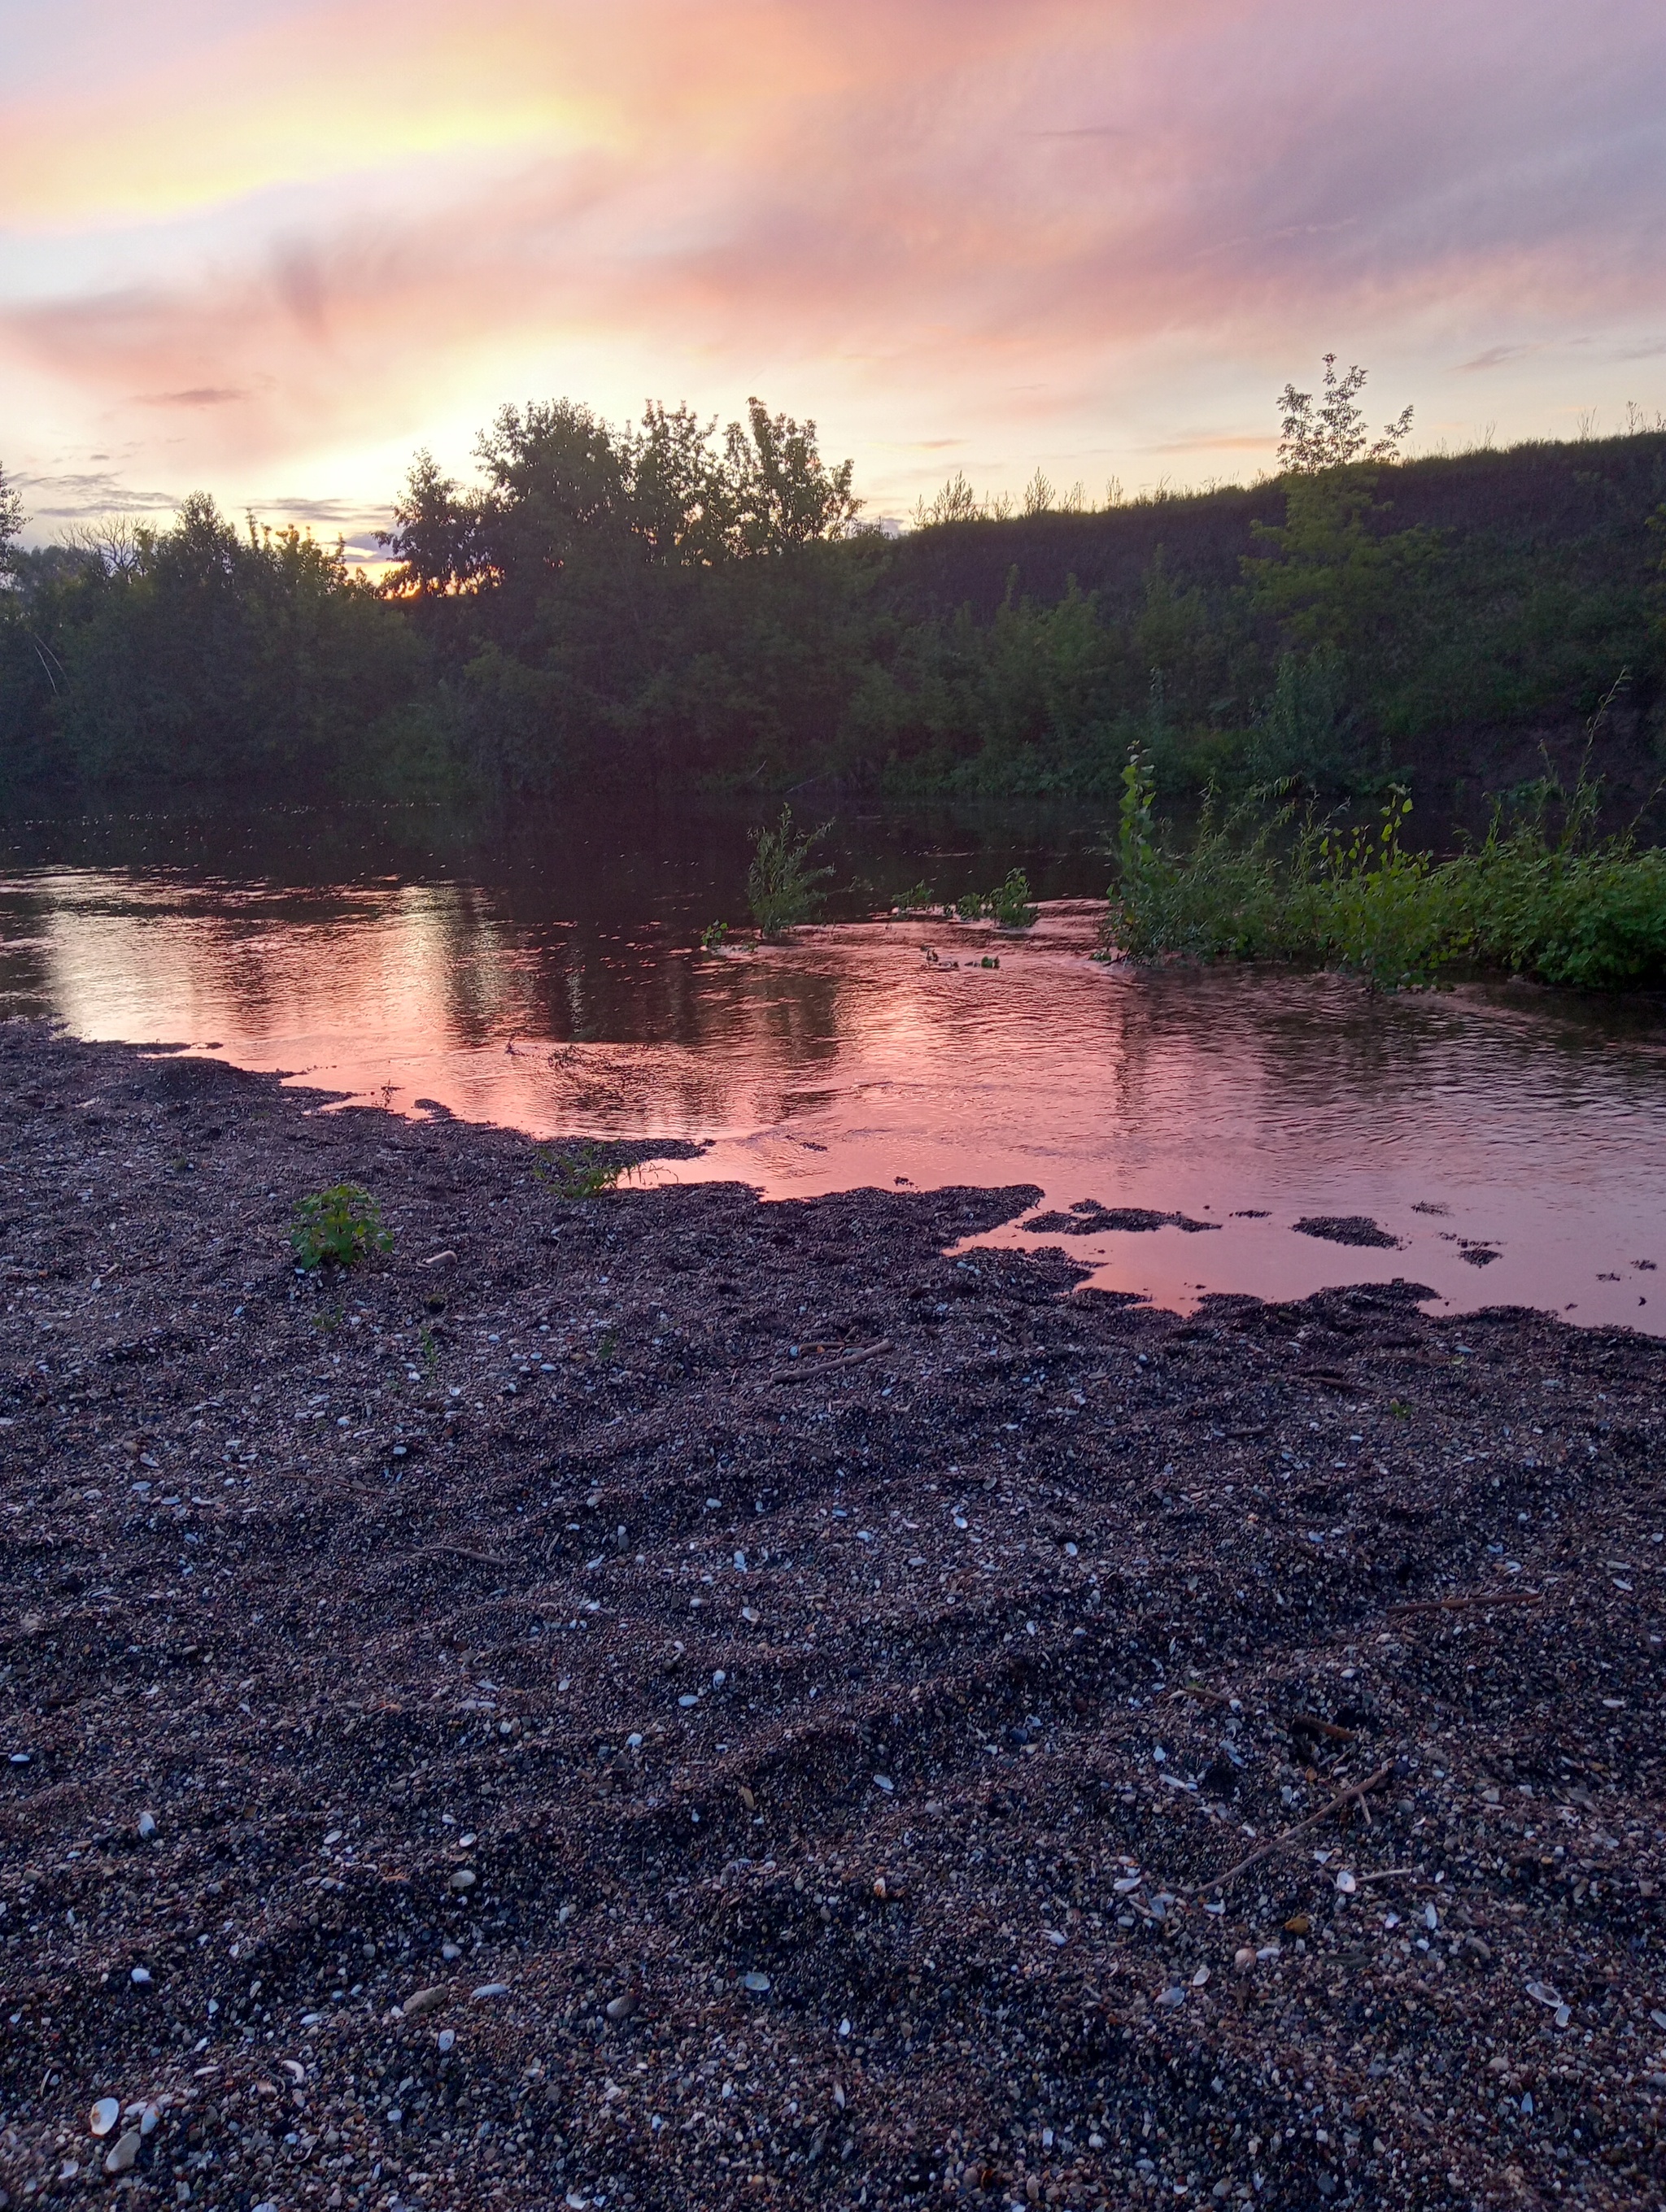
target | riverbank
[{"x": 665, "y": 1700}]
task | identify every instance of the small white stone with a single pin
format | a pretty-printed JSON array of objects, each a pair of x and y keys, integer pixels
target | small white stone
[
  {"x": 448, "y": 2038},
  {"x": 104, "y": 2116},
  {"x": 464, "y": 1879},
  {"x": 141, "y": 1977},
  {"x": 147, "y": 1824},
  {"x": 489, "y": 1990},
  {"x": 120, "y": 2159},
  {"x": 758, "y": 1983}
]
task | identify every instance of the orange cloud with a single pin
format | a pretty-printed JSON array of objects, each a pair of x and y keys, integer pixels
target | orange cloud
[{"x": 1065, "y": 230}]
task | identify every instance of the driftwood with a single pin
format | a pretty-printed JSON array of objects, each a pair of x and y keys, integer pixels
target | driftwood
[
  {"x": 1354, "y": 1789},
  {"x": 1461, "y": 1604},
  {"x": 829, "y": 1366}
]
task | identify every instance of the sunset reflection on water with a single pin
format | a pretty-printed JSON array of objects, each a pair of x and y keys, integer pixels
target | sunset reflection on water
[{"x": 1510, "y": 1119}]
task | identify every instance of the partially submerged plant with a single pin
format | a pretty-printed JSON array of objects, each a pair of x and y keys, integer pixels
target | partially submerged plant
[
  {"x": 587, "y": 1173},
  {"x": 781, "y": 884},
  {"x": 340, "y": 1227},
  {"x": 1008, "y": 905}
]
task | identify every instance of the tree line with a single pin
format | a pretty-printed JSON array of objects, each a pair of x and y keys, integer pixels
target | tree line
[{"x": 609, "y": 611}]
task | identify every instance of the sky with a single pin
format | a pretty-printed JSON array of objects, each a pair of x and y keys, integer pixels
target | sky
[{"x": 268, "y": 249}]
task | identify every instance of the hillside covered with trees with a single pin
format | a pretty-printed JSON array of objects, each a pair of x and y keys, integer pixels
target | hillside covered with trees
[{"x": 661, "y": 607}]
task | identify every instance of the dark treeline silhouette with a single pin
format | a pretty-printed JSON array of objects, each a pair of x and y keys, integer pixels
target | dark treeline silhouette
[{"x": 610, "y": 611}]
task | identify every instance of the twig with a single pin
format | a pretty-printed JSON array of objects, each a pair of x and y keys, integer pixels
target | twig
[
  {"x": 829, "y": 1366},
  {"x": 458, "y": 1551},
  {"x": 1459, "y": 1604},
  {"x": 1354, "y": 1789},
  {"x": 1384, "y": 1874},
  {"x": 1310, "y": 1725}
]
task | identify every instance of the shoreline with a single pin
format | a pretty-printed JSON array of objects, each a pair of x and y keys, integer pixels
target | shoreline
[{"x": 865, "y": 1728}]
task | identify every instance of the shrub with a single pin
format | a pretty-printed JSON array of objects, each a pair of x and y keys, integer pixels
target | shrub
[
  {"x": 1558, "y": 904},
  {"x": 340, "y": 1227},
  {"x": 781, "y": 884}
]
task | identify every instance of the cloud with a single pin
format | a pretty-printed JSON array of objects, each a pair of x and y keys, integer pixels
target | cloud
[
  {"x": 314, "y": 236},
  {"x": 1495, "y": 358},
  {"x": 202, "y": 395}
]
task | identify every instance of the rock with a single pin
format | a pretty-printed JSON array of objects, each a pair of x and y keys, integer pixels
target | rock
[
  {"x": 447, "y": 2039},
  {"x": 1346, "y": 1883},
  {"x": 1174, "y": 1995},
  {"x": 149, "y": 2120},
  {"x": 1244, "y": 1960},
  {"x": 464, "y": 1879},
  {"x": 121, "y": 2159},
  {"x": 758, "y": 1983},
  {"x": 623, "y": 2008},
  {"x": 147, "y": 1824},
  {"x": 1298, "y": 1924},
  {"x": 489, "y": 1990},
  {"x": 421, "y": 2001},
  {"x": 141, "y": 1977},
  {"x": 104, "y": 2116}
]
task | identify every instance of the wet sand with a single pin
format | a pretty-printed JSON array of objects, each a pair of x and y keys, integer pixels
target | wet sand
[{"x": 665, "y": 1700}]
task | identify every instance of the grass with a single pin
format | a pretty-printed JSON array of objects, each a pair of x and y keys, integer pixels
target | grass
[
  {"x": 1543, "y": 896},
  {"x": 780, "y": 883},
  {"x": 590, "y": 1172}
]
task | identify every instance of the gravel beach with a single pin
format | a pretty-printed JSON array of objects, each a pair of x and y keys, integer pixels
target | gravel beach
[{"x": 661, "y": 1700}]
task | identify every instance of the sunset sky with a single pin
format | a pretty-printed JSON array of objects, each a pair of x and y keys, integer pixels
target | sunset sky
[{"x": 269, "y": 248}]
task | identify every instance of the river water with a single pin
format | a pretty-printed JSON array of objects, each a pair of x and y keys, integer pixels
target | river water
[{"x": 549, "y": 980}]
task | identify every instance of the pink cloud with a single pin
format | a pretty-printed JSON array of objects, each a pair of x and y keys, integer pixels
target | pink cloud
[{"x": 972, "y": 214}]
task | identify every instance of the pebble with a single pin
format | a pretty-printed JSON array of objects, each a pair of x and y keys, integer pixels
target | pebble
[
  {"x": 421, "y": 2001},
  {"x": 758, "y": 1983},
  {"x": 448, "y": 2038},
  {"x": 120, "y": 2159},
  {"x": 489, "y": 1990},
  {"x": 623, "y": 2008},
  {"x": 1175, "y": 1996},
  {"x": 104, "y": 2116},
  {"x": 465, "y": 1878},
  {"x": 150, "y": 2119},
  {"x": 147, "y": 1824},
  {"x": 141, "y": 1975},
  {"x": 1346, "y": 1883},
  {"x": 1244, "y": 1960}
]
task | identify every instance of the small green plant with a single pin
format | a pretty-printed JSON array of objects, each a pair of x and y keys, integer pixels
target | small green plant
[
  {"x": 971, "y": 908},
  {"x": 587, "y": 1173},
  {"x": 915, "y": 899},
  {"x": 1008, "y": 905},
  {"x": 340, "y": 1227},
  {"x": 714, "y": 936},
  {"x": 781, "y": 884}
]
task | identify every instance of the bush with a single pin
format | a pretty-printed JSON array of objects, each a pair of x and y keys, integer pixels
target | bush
[{"x": 1559, "y": 905}]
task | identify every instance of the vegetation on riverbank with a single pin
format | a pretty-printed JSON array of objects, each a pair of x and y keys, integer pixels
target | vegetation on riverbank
[
  {"x": 1542, "y": 895},
  {"x": 655, "y": 607}
]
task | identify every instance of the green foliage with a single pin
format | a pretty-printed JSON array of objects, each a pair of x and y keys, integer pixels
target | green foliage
[
  {"x": 340, "y": 1227},
  {"x": 641, "y": 609},
  {"x": 917, "y": 897},
  {"x": 1008, "y": 904},
  {"x": 11, "y": 520},
  {"x": 1543, "y": 896},
  {"x": 713, "y": 936},
  {"x": 1333, "y": 436},
  {"x": 781, "y": 884},
  {"x": 588, "y": 1172}
]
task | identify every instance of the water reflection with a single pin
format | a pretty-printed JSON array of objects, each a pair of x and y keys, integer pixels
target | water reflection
[{"x": 1510, "y": 1120}]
